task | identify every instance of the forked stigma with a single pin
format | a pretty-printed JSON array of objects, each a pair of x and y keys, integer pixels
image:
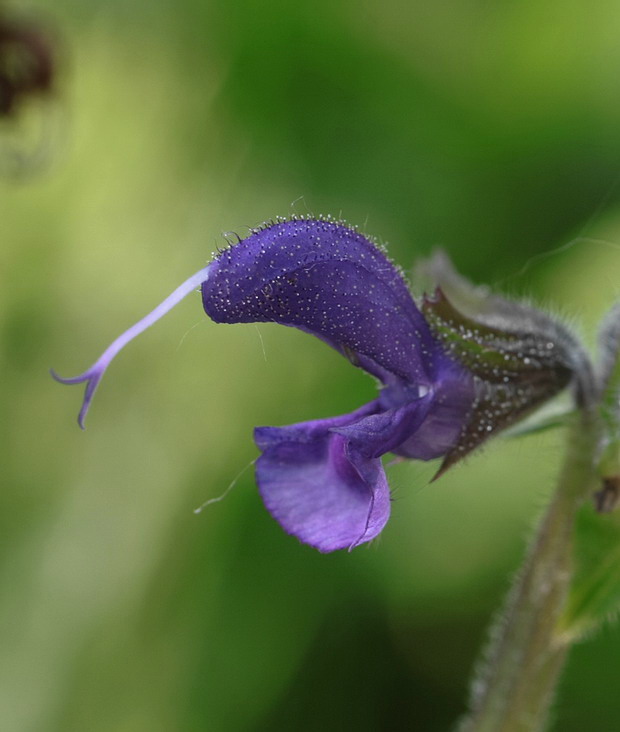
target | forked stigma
[{"x": 92, "y": 376}]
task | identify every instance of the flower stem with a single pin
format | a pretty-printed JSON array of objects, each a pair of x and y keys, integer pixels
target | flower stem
[{"x": 514, "y": 686}]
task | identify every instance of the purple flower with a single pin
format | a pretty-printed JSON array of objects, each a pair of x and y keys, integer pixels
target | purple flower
[{"x": 323, "y": 481}]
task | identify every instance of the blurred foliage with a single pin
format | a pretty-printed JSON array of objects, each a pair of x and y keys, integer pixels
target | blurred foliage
[
  {"x": 595, "y": 591},
  {"x": 489, "y": 129}
]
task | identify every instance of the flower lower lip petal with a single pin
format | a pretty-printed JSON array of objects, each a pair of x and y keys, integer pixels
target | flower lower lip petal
[{"x": 321, "y": 489}]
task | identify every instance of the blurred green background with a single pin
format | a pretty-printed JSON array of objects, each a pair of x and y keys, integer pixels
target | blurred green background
[{"x": 490, "y": 129}]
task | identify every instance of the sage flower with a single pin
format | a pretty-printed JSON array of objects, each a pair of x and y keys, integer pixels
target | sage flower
[{"x": 447, "y": 380}]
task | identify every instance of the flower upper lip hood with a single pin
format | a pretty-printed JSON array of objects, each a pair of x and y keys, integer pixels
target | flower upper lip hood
[
  {"x": 328, "y": 280},
  {"x": 323, "y": 480}
]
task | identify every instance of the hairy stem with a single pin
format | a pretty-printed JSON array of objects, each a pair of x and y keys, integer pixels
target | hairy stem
[{"x": 515, "y": 684}]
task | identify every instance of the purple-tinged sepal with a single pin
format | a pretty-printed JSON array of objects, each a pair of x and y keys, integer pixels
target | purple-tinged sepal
[
  {"x": 511, "y": 318},
  {"x": 518, "y": 357}
]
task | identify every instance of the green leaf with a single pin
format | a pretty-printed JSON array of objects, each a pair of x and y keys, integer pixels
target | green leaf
[{"x": 594, "y": 595}]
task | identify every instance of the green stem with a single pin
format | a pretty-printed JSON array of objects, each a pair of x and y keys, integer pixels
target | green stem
[{"x": 516, "y": 683}]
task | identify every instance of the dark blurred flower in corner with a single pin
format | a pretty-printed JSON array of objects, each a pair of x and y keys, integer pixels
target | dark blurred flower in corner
[
  {"x": 26, "y": 64},
  {"x": 452, "y": 372},
  {"x": 29, "y": 61}
]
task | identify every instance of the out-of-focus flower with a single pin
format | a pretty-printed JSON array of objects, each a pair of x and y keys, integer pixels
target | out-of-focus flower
[
  {"x": 26, "y": 64},
  {"x": 448, "y": 379}
]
